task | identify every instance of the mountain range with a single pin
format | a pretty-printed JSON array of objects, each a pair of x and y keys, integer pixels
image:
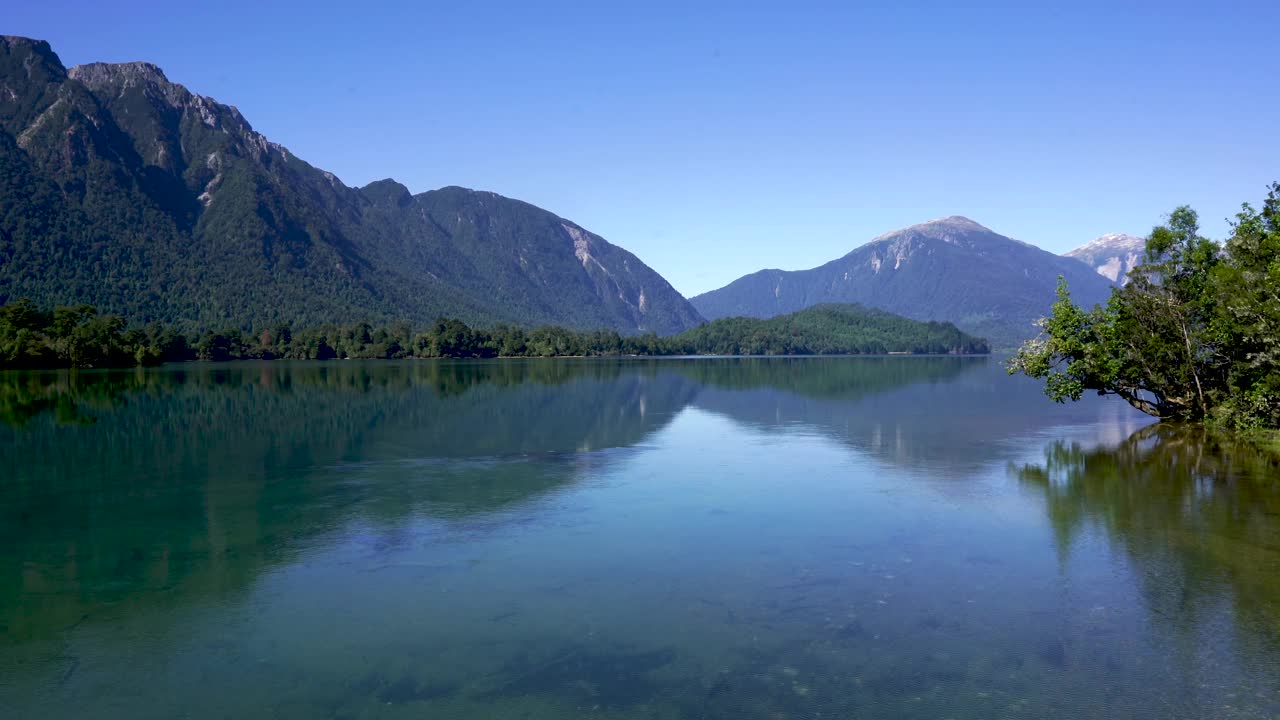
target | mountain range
[
  {"x": 126, "y": 191},
  {"x": 951, "y": 269},
  {"x": 121, "y": 189}
]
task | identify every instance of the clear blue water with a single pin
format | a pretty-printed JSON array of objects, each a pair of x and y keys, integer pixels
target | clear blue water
[{"x": 746, "y": 538}]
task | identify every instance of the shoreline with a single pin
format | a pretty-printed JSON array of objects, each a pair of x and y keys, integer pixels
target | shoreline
[{"x": 229, "y": 361}]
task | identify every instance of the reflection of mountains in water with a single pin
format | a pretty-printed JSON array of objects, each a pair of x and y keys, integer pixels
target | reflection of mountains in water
[
  {"x": 199, "y": 477},
  {"x": 916, "y": 411},
  {"x": 258, "y": 419},
  {"x": 128, "y": 487}
]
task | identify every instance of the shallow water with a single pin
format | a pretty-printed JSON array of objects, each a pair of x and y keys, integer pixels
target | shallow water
[{"x": 789, "y": 538}]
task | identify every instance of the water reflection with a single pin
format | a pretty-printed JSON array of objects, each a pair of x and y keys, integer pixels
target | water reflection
[
  {"x": 1198, "y": 513},
  {"x": 675, "y": 539},
  {"x": 927, "y": 413},
  {"x": 128, "y": 484},
  {"x": 131, "y": 487},
  {"x": 80, "y": 397}
]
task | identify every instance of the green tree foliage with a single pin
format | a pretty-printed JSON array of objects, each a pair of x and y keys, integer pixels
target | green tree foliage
[
  {"x": 81, "y": 337},
  {"x": 1194, "y": 336},
  {"x": 827, "y": 330}
]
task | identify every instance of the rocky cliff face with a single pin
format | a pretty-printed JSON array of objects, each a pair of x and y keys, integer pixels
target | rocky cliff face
[
  {"x": 1112, "y": 256},
  {"x": 950, "y": 269},
  {"x": 124, "y": 189}
]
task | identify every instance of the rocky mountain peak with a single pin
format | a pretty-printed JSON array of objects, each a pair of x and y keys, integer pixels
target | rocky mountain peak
[
  {"x": 106, "y": 79},
  {"x": 148, "y": 104},
  {"x": 30, "y": 74},
  {"x": 115, "y": 79},
  {"x": 941, "y": 227},
  {"x": 97, "y": 75},
  {"x": 1112, "y": 255},
  {"x": 1110, "y": 241},
  {"x": 30, "y": 52},
  {"x": 958, "y": 222},
  {"x": 954, "y": 229}
]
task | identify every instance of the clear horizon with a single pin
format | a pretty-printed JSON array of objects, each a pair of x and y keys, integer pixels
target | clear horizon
[{"x": 718, "y": 141}]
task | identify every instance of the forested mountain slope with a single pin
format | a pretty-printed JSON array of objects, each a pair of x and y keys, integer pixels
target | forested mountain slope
[{"x": 121, "y": 189}]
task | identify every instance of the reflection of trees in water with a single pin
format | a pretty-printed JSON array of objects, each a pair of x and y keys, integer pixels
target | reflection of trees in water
[
  {"x": 132, "y": 486},
  {"x": 198, "y": 479},
  {"x": 1198, "y": 513},
  {"x": 81, "y": 397},
  {"x": 950, "y": 412},
  {"x": 827, "y": 378},
  {"x": 65, "y": 396}
]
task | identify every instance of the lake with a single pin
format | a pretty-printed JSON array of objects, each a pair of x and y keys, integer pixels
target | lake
[{"x": 707, "y": 538}]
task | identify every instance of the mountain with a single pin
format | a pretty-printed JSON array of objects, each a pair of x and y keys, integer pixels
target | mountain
[
  {"x": 121, "y": 189},
  {"x": 952, "y": 269},
  {"x": 1112, "y": 255}
]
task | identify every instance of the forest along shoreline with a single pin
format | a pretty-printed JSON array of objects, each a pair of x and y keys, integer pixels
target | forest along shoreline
[{"x": 80, "y": 337}]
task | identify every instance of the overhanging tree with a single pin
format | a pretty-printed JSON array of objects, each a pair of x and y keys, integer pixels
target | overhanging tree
[{"x": 1194, "y": 335}]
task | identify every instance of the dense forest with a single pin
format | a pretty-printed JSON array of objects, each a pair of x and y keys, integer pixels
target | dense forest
[
  {"x": 31, "y": 337},
  {"x": 1194, "y": 336}
]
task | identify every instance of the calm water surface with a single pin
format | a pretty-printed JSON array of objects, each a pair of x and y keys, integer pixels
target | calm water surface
[{"x": 791, "y": 538}]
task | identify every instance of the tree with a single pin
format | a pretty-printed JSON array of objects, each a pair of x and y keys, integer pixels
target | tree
[
  {"x": 1194, "y": 335},
  {"x": 1247, "y": 314}
]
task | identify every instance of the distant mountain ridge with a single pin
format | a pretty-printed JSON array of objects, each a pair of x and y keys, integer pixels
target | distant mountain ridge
[
  {"x": 950, "y": 269},
  {"x": 1112, "y": 256},
  {"x": 124, "y": 190}
]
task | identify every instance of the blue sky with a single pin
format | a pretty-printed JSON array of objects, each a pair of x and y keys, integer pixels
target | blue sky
[{"x": 715, "y": 139}]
